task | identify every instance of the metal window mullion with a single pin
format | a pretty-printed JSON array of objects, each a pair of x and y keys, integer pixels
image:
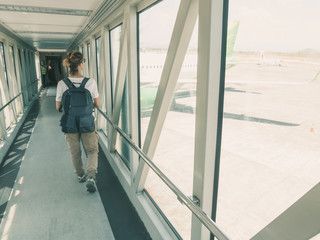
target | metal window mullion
[
  {"x": 23, "y": 78},
  {"x": 6, "y": 81},
  {"x": 37, "y": 68},
  {"x": 18, "y": 67},
  {"x": 102, "y": 78},
  {"x": 18, "y": 71},
  {"x": 15, "y": 81},
  {"x": 96, "y": 72},
  {"x": 81, "y": 49},
  {"x": 131, "y": 16},
  {"x": 27, "y": 75},
  {"x": 11, "y": 79},
  {"x": 85, "y": 56},
  {"x": 20, "y": 76},
  {"x": 3, "y": 129},
  {"x": 6, "y": 90},
  {"x": 35, "y": 72},
  {"x": 3, "y": 135},
  {"x": 9, "y": 68},
  {"x": 107, "y": 88},
  {"x": 182, "y": 32},
  {"x": 208, "y": 109},
  {"x": 86, "y": 69},
  {"x": 120, "y": 81},
  {"x": 34, "y": 76},
  {"x": 93, "y": 59},
  {"x": 30, "y": 75}
]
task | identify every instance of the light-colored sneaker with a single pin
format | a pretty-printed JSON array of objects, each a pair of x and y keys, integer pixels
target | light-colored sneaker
[
  {"x": 91, "y": 185},
  {"x": 82, "y": 178}
]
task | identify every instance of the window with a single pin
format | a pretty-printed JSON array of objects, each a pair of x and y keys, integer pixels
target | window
[
  {"x": 4, "y": 65},
  {"x": 14, "y": 61},
  {"x": 176, "y": 144},
  {"x": 269, "y": 155},
  {"x": 4, "y": 88},
  {"x": 98, "y": 40},
  {"x": 121, "y": 145},
  {"x": 88, "y": 57},
  {"x": 115, "y": 35}
]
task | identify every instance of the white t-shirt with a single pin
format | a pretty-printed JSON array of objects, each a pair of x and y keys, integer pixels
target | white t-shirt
[{"x": 91, "y": 85}]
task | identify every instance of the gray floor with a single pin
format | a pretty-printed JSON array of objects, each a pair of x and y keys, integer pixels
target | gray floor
[{"x": 47, "y": 201}]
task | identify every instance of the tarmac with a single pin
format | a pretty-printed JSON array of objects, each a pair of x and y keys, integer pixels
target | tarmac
[{"x": 270, "y": 148}]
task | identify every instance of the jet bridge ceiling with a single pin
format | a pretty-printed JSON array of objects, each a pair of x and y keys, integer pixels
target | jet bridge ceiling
[{"x": 48, "y": 25}]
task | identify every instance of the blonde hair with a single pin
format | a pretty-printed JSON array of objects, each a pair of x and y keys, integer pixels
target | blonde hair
[{"x": 73, "y": 60}]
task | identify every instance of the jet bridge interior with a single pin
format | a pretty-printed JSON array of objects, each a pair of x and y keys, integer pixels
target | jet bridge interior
[{"x": 200, "y": 129}]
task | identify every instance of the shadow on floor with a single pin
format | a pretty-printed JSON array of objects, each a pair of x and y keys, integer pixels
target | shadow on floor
[{"x": 10, "y": 165}]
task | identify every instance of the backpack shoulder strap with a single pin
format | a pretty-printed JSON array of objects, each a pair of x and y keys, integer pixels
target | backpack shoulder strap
[
  {"x": 68, "y": 83},
  {"x": 84, "y": 82}
]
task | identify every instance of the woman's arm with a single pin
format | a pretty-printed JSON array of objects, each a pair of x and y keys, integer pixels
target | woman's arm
[
  {"x": 96, "y": 102},
  {"x": 58, "y": 105}
]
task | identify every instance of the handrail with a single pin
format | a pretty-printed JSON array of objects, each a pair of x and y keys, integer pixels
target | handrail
[
  {"x": 198, "y": 212},
  {"x": 8, "y": 103}
]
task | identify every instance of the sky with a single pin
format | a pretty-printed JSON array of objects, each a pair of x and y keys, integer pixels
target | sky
[
  {"x": 276, "y": 25},
  {"x": 265, "y": 25}
]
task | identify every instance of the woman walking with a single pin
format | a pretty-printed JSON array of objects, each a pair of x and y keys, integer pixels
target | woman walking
[{"x": 74, "y": 129}]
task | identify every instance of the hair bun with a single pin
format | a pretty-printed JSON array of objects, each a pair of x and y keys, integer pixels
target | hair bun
[
  {"x": 73, "y": 60},
  {"x": 66, "y": 62}
]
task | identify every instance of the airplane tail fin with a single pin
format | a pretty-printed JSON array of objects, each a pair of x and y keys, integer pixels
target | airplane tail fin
[{"x": 232, "y": 33}]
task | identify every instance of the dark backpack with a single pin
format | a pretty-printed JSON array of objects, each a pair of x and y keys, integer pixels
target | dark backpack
[{"x": 77, "y": 105}]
